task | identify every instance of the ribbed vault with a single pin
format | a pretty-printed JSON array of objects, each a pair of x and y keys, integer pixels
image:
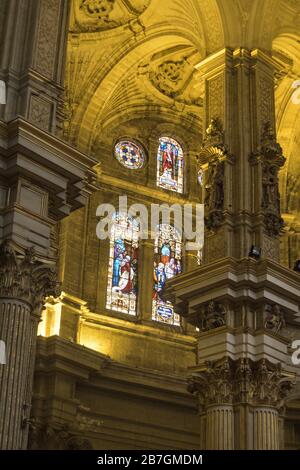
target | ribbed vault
[{"x": 133, "y": 61}]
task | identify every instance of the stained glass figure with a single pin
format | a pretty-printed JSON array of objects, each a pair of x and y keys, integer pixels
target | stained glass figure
[
  {"x": 130, "y": 154},
  {"x": 170, "y": 165},
  {"x": 123, "y": 265},
  {"x": 167, "y": 264}
]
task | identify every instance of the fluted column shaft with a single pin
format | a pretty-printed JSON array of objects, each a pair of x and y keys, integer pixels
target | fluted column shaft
[
  {"x": 219, "y": 428},
  {"x": 266, "y": 429},
  {"x": 241, "y": 401},
  {"x": 24, "y": 283},
  {"x": 17, "y": 333}
]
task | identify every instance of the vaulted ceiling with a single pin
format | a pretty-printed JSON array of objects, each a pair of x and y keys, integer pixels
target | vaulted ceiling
[{"x": 133, "y": 61}]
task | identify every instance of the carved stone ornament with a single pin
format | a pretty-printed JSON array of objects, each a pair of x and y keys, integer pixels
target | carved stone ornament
[
  {"x": 214, "y": 143},
  {"x": 212, "y": 316},
  {"x": 101, "y": 15},
  {"x": 173, "y": 78},
  {"x": 270, "y": 156},
  {"x": 169, "y": 76},
  {"x": 242, "y": 381},
  {"x": 211, "y": 160},
  {"x": 293, "y": 191},
  {"x": 214, "y": 194},
  {"x": 56, "y": 436},
  {"x": 99, "y": 9},
  {"x": 274, "y": 318},
  {"x": 23, "y": 278},
  {"x": 215, "y": 384},
  {"x": 214, "y": 134}
]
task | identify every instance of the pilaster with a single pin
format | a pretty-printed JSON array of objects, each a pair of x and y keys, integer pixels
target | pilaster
[
  {"x": 240, "y": 157},
  {"x": 32, "y": 63},
  {"x": 240, "y": 305}
]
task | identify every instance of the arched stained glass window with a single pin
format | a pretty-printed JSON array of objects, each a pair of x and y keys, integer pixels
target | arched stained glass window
[
  {"x": 167, "y": 264},
  {"x": 130, "y": 154},
  {"x": 123, "y": 265},
  {"x": 170, "y": 163}
]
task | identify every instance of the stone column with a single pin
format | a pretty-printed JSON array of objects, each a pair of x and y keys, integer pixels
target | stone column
[
  {"x": 266, "y": 429},
  {"x": 219, "y": 432},
  {"x": 24, "y": 283},
  {"x": 241, "y": 401},
  {"x": 213, "y": 384},
  {"x": 233, "y": 298}
]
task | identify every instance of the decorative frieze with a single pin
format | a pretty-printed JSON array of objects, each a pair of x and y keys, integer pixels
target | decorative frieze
[
  {"x": 274, "y": 318},
  {"x": 211, "y": 316},
  {"x": 47, "y": 37},
  {"x": 266, "y": 93},
  {"x": 40, "y": 112},
  {"x": 216, "y": 98}
]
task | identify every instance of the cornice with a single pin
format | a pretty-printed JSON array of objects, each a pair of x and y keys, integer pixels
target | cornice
[
  {"x": 19, "y": 131},
  {"x": 99, "y": 372},
  {"x": 236, "y": 280},
  {"x": 68, "y": 175},
  {"x": 94, "y": 320}
]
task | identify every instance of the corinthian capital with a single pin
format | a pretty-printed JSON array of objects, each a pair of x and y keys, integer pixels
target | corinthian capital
[
  {"x": 270, "y": 384},
  {"x": 214, "y": 385},
  {"x": 242, "y": 381},
  {"x": 23, "y": 278}
]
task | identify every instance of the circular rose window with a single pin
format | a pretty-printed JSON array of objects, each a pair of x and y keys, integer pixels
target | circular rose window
[{"x": 130, "y": 154}]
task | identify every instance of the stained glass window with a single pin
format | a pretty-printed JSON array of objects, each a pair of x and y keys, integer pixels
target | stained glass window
[
  {"x": 123, "y": 265},
  {"x": 170, "y": 164},
  {"x": 130, "y": 154},
  {"x": 167, "y": 264}
]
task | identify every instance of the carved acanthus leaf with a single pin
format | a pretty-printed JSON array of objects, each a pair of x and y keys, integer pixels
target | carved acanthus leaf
[
  {"x": 23, "y": 278},
  {"x": 242, "y": 381}
]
